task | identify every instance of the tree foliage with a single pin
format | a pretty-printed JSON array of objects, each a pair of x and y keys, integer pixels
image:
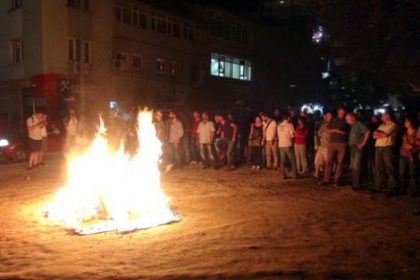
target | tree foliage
[{"x": 377, "y": 39}]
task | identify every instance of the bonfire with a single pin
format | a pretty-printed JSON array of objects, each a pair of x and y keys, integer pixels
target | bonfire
[{"x": 108, "y": 191}]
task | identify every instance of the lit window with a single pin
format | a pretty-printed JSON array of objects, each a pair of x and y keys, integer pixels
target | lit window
[
  {"x": 230, "y": 67},
  {"x": 16, "y": 4},
  {"x": 160, "y": 66},
  {"x": 16, "y": 50}
]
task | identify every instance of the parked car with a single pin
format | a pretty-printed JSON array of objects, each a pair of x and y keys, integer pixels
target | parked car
[{"x": 15, "y": 145}]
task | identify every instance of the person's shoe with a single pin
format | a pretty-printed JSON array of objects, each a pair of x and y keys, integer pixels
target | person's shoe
[
  {"x": 42, "y": 164},
  {"x": 169, "y": 167},
  {"x": 257, "y": 167},
  {"x": 254, "y": 167},
  {"x": 323, "y": 183},
  {"x": 29, "y": 168},
  {"x": 268, "y": 168}
]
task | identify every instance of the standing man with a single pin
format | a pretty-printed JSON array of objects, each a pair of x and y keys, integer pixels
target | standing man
[
  {"x": 286, "y": 133},
  {"x": 205, "y": 134},
  {"x": 386, "y": 137},
  {"x": 229, "y": 131},
  {"x": 35, "y": 124},
  {"x": 71, "y": 127},
  {"x": 322, "y": 141},
  {"x": 175, "y": 133},
  {"x": 337, "y": 129},
  {"x": 270, "y": 137},
  {"x": 44, "y": 144},
  {"x": 359, "y": 136},
  {"x": 194, "y": 143}
]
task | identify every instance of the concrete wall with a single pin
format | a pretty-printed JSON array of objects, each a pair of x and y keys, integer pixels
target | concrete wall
[{"x": 11, "y": 28}]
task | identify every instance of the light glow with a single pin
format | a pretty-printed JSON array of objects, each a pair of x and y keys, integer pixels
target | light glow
[
  {"x": 4, "y": 143},
  {"x": 113, "y": 192}
]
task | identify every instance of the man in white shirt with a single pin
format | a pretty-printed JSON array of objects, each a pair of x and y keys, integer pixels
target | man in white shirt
[
  {"x": 270, "y": 137},
  {"x": 71, "y": 127},
  {"x": 286, "y": 133},
  {"x": 35, "y": 124},
  {"x": 205, "y": 131},
  {"x": 386, "y": 138}
]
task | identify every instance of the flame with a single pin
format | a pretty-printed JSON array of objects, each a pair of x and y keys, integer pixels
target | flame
[{"x": 113, "y": 192}]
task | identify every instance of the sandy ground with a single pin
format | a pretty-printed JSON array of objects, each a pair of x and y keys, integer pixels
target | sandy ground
[{"x": 235, "y": 225}]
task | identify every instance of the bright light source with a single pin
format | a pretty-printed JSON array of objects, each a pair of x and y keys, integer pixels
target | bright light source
[
  {"x": 318, "y": 35},
  {"x": 281, "y": 1},
  {"x": 380, "y": 111},
  {"x": 311, "y": 108},
  {"x": 292, "y": 85},
  {"x": 4, "y": 143},
  {"x": 325, "y": 75},
  {"x": 113, "y": 104}
]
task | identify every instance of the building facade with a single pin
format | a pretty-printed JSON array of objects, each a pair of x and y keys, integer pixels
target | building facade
[{"x": 86, "y": 53}]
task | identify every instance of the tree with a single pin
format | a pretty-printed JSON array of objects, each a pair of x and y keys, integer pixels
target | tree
[{"x": 376, "y": 40}]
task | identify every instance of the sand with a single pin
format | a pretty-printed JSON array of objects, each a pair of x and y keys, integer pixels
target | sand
[{"x": 234, "y": 225}]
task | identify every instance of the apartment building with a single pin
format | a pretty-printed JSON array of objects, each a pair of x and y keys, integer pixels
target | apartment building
[{"x": 87, "y": 53}]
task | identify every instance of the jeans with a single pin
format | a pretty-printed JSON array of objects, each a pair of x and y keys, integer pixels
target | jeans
[
  {"x": 256, "y": 155},
  {"x": 355, "y": 163},
  {"x": 287, "y": 152},
  {"x": 230, "y": 153},
  {"x": 412, "y": 166},
  {"x": 301, "y": 159},
  {"x": 206, "y": 152},
  {"x": 271, "y": 150},
  {"x": 385, "y": 172},
  {"x": 194, "y": 150},
  {"x": 174, "y": 154},
  {"x": 335, "y": 150}
]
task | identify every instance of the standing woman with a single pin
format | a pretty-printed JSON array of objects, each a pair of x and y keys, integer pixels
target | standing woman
[
  {"x": 256, "y": 142},
  {"x": 409, "y": 159},
  {"x": 300, "y": 146}
]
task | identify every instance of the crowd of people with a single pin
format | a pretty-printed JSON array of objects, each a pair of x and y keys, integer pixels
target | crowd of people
[{"x": 378, "y": 152}]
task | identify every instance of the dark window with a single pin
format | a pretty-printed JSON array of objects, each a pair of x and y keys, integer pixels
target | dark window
[
  {"x": 161, "y": 25},
  {"x": 219, "y": 28},
  {"x": 153, "y": 23},
  {"x": 85, "y": 4},
  {"x": 176, "y": 30},
  {"x": 137, "y": 62},
  {"x": 135, "y": 18},
  {"x": 118, "y": 13},
  {"x": 78, "y": 50},
  {"x": 126, "y": 15},
  {"x": 86, "y": 52},
  {"x": 143, "y": 21},
  {"x": 16, "y": 4},
  {"x": 71, "y": 49}
]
